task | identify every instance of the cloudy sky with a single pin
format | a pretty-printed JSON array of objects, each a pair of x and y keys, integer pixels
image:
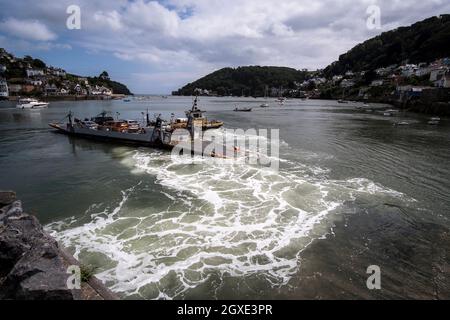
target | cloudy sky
[{"x": 158, "y": 46}]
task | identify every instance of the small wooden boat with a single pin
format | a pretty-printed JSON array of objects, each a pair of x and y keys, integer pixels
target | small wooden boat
[{"x": 242, "y": 109}]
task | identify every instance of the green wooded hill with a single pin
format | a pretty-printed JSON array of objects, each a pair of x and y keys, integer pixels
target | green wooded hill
[
  {"x": 424, "y": 41},
  {"x": 117, "y": 87},
  {"x": 249, "y": 81}
]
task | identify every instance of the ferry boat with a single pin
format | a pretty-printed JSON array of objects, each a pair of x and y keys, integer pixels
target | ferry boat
[
  {"x": 103, "y": 127},
  {"x": 30, "y": 103},
  {"x": 199, "y": 120},
  {"x": 156, "y": 134}
]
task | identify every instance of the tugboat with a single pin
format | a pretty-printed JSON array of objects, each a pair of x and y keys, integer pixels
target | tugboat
[{"x": 198, "y": 120}]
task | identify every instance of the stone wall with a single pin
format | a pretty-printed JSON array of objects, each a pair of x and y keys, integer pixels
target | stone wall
[{"x": 32, "y": 265}]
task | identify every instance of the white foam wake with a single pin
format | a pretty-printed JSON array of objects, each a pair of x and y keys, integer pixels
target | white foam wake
[{"x": 230, "y": 220}]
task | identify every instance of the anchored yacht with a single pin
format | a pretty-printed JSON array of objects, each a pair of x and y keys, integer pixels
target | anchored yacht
[{"x": 30, "y": 103}]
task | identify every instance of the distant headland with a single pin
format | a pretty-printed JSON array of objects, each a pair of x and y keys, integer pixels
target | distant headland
[{"x": 32, "y": 77}]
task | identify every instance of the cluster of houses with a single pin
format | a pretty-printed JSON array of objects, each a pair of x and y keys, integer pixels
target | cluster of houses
[
  {"x": 437, "y": 73},
  {"x": 47, "y": 81}
]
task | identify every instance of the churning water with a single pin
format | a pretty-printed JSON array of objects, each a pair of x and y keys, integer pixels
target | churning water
[{"x": 158, "y": 226}]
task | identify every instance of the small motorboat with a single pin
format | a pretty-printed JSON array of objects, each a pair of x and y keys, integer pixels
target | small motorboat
[
  {"x": 388, "y": 114},
  {"x": 435, "y": 119},
  {"x": 433, "y": 122},
  {"x": 342, "y": 101},
  {"x": 242, "y": 109},
  {"x": 264, "y": 105},
  {"x": 401, "y": 123},
  {"x": 30, "y": 103}
]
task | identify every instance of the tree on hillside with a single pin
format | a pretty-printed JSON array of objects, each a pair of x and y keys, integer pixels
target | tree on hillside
[
  {"x": 104, "y": 75},
  {"x": 37, "y": 63}
]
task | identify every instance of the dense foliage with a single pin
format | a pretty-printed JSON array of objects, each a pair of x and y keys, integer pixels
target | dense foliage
[
  {"x": 117, "y": 87},
  {"x": 248, "y": 81},
  {"x": 423, "y": 41}
]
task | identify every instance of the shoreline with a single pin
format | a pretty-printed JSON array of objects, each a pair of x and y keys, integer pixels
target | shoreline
[
  {"x": 428, "y": 106},
  {"x": 72, "y": 97},
  {"x": 33, "y": 265}
]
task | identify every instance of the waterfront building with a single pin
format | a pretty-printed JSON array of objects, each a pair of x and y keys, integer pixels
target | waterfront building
[
  {"x": 4, "y": 92},
  {"x": 15, "y": 89},
  {"x": 347, "y": 83}
]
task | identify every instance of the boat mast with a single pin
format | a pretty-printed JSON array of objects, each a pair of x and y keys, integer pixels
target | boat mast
[
  {"x": 156, "y": 135},
  {"x": 148, "y": 119},
  {"x": 70, "y": 118}
]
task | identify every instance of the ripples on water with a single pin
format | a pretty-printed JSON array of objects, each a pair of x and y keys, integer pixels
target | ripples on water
[
  {"x": 159, "y": 227},
  {"x": 224, "y": 220}
]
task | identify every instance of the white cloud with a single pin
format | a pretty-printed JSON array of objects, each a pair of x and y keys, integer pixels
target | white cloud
[
  {"x": 183, "y": 37},
  {"x": 151, "y": 17},
  {"x": 110, "y": 19},
  {"x": 27, "y": 29}
]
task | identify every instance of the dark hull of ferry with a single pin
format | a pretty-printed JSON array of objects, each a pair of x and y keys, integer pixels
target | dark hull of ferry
[
  {"x": 109, "y": 139},
  {"x": 145, "y": 141}
]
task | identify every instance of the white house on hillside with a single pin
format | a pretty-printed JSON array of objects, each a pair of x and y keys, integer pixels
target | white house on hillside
[
  {"x": 4, "y": 92},
  {"x": 35, "y": 72}
]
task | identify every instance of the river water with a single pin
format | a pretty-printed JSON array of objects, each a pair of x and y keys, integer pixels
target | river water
[{"x": 350, "y": 187}]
